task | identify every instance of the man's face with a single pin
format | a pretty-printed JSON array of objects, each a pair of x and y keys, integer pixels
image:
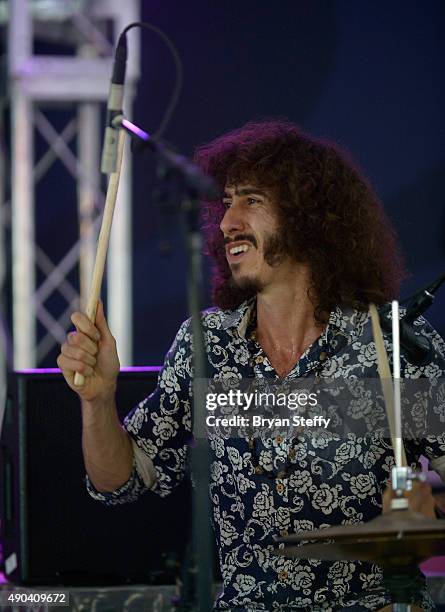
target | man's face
[{"x": 251, "y": 237}]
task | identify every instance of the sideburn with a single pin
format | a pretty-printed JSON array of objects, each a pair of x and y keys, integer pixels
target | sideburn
[{"x": 275, "y": 249}]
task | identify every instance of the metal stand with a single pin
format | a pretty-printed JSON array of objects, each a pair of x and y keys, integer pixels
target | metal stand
[
  {"x": 183, "y": 177},
  {"x": 82, "y": 80},
  {"x": 200, "y": 461},
  {"x": 403, "y": 584},
  {"x": 402, "y": 481}
]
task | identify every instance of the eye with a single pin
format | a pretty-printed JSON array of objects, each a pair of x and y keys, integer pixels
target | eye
[
  {"x": 252, "y": 201},
  {"x": 227, "y": 203}
]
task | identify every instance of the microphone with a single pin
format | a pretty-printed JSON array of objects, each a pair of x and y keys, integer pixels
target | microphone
[
  {"x": 114, "y": 107},
  {"x": 422, "y": 300},
  {"x": 417, "y": 349}
]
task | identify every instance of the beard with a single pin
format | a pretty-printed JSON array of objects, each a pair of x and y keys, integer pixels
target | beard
[
  {"x": 275, "y": 249},
  {"x": 274, "y": 253}
]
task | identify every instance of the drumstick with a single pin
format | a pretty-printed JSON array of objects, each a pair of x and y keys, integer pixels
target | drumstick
[
  {"x": 102, "y": 244},
  {"x": 385, "y": 379}
]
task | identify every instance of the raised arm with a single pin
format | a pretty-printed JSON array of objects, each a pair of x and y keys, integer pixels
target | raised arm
[{"x": 91, "y": 350}]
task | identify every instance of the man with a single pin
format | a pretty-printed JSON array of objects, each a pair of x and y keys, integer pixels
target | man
[{"x": 302, "y": 247}]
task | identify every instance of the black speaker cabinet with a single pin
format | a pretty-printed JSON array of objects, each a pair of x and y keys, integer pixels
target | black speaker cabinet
[{"x": 53, "y": 532}]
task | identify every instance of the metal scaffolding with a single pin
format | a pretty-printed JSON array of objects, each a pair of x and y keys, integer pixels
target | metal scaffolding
[{"x": 82, "y": 79}]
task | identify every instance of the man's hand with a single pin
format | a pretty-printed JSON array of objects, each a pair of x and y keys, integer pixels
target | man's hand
[
  {"x": 420, "y": 499},
  {"x": 91, "y": 351}
]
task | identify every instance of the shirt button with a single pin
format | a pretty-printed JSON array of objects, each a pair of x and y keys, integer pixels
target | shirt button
[
  {"x": 283, "y": 575},
  {"x": 280, "y": 487},
  {"x": 323, "y": 355},
  {"x": 278, "y": 439},
  {"x": 259, "y": 359},
  {"x": 284, "y": 533}
]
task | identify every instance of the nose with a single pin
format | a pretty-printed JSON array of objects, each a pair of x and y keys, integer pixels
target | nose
[{"x": 233, "y": 221}]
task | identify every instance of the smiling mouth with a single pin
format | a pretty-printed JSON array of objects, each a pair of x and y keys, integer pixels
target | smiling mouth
[{"x": 236, "y": 252}]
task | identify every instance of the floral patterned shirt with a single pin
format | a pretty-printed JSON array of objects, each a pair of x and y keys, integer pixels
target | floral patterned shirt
[{"x": 331, "y": 481}]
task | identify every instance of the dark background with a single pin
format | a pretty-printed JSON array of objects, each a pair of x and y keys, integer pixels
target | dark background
[{"x": 365, "y": 75}]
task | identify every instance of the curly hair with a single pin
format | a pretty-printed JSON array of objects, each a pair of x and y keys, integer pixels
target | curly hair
[{"x": 328, "y": 215}]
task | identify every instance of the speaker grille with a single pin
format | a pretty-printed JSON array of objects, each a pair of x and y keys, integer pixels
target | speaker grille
[{"x": 67, "y": 537}]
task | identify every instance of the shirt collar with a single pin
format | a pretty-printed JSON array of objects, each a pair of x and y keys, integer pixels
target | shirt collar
[
  {"x": 344, "y": 321},
  {"x": 239, "y": 318}
]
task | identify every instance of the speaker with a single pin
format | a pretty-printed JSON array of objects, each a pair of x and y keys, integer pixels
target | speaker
[{"x": 53, "y": 532}]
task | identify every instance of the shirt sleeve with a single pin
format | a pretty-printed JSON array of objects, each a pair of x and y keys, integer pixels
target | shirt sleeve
[{"x": 160, "y": 428}]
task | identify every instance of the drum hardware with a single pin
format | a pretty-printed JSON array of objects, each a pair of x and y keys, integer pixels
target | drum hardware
[{"x": 397, "y": 541}]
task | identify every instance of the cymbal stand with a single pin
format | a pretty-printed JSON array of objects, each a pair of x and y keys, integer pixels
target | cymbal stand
[{"x": 403, "y": 585}]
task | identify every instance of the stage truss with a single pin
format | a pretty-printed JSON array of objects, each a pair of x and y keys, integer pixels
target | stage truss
[{"x": 38, "y": 85}]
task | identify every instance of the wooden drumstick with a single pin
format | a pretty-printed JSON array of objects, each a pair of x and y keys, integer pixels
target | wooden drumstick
[{"x": 102, "y": 244}]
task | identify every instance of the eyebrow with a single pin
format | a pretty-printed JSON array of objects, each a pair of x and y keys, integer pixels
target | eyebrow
[{"x": 246, "y": 191}]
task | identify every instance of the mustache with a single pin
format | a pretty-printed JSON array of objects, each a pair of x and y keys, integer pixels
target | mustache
[{"x": 246, "y": 237}]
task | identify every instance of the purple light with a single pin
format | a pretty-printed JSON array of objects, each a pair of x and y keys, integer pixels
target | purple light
[
  {"x": 141, "y": 369},
  {"x": 134, "y": 129},
  {"x": 433, "y": 567},
  {"x": 38, "y": 371},
  {"x": 57, "y": 371}
]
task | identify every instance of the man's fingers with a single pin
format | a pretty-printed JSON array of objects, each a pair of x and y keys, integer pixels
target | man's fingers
[
  {"x": 84, "y": 325},
  {"x": 80, "y": 340},
  {"x": 61, "y": 363},
  {"x": 69, "y": 366},
  {"x": 420, "y": 498},
  {"x": 77, "y": 353}
]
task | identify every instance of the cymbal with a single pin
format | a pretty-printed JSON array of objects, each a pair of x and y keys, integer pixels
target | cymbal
[{"x": 400, "y": 537}]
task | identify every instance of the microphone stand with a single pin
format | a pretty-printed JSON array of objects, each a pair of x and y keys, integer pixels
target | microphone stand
[
  {"x": 422, "y": 300},
  {"x": 418, "y": 349},
  {"x": 185, "y": 177}
]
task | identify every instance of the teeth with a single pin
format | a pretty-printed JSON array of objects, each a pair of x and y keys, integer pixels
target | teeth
[{"x": 239, "y": 249}]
